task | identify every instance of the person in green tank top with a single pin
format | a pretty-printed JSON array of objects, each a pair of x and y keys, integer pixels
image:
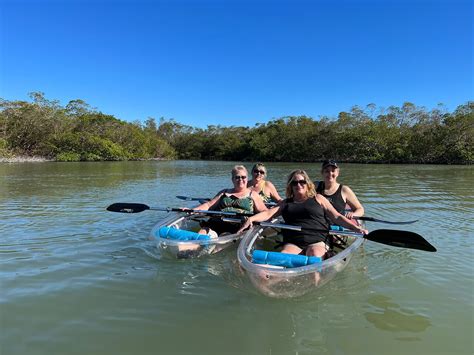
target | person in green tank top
[
  {"x": 237, "y": 199},
  {"x": 264, "y": 188}
]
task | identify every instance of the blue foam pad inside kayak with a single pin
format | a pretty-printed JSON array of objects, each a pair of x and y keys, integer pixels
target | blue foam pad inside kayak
[
  {"x": 337, "y": 228},
  {"x": 181, "y": 234},
  {"x": 283, "y": 259}
]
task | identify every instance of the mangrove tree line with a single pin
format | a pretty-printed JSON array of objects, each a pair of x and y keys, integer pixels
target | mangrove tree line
[{"x": 406, "y": 134}]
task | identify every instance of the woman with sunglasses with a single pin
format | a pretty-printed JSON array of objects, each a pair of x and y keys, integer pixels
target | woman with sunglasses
[
  {"x": 239, "y": 199},
  {"x": 339, "y": 195},
  {"x": 303, "y": 207},
  {"x": 264, "y": 188}
]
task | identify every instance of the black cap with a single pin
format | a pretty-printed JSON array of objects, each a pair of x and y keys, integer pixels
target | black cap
[{"x": 327, "y": 163}]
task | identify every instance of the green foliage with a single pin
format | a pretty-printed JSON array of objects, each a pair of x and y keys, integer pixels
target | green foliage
[
  {"x": 406, "y": 134},
  {"x": 77, "y": 132},
  {"x": 4, "y": 151},
  {"x": 68, "y": 156}
]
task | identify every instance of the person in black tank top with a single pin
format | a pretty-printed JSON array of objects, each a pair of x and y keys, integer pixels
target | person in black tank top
[
  {"x": 336, "y": 198},
  {"x": 310, "y": 216},
  {"x": 305, "y": 208},
  {"x": 340, "y": 196}
]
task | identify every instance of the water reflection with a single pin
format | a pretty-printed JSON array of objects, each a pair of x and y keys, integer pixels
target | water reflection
[{"x": 389, "y": 316}]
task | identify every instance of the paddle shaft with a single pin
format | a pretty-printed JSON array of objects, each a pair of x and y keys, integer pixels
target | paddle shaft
[
  {"x": 205, "y": 199},
  {"x": 372, "y": 219}
]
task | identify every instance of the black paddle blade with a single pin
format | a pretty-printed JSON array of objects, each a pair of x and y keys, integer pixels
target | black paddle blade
[
  {"x": 401, "y": 239},
  {"x": 127, "y": 207},
  {"x": 372, "y": 219}
]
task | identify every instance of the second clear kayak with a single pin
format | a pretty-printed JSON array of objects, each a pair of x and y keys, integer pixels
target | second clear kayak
[
  {"x": 176, "y": 237},
  {"x": 281, "y": 275}
]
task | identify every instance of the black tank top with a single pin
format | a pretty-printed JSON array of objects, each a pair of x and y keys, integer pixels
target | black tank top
[
  {"x": 336, "y": 198},
  {"x": 310, "y": 216}
]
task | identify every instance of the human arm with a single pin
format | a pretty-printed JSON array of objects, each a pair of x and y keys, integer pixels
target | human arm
[
  {"x": 272, "y": 192},
  {"x": 210, "y": 204},
  {"x": 260, "y": 217},
  {"x": 336, "y": 217},
  {"x": 259, "y": 205},
  {"x": 351, "y": 199}
]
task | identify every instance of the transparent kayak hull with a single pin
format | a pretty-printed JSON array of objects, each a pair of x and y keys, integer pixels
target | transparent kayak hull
[
  {"x": 187, "y": 249},
  {"x": 279, "y": 282}
]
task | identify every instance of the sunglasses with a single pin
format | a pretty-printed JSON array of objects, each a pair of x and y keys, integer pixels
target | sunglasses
[
  {"x": 238, "y": 177},
  {"x": 259, "y": 172},
  {"x": 296, "y": 182}
]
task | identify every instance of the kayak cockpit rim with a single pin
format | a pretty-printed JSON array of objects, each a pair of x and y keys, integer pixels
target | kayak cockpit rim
[{"x": 245, "y": 252}]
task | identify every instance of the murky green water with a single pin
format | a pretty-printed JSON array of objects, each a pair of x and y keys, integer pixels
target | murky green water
[{"x": 76, "y": 279}]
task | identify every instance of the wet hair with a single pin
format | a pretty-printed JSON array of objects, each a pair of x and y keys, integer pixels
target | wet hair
[
  {"x": 259, "y": 166},
  {"x": 311, "y": 191},
  {"x": 238, "y": 168}
]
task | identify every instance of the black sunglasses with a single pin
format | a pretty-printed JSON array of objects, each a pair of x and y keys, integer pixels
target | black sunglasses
[
  {"x": 296, "y": 182},
  {"x": 238, "y": 177},
  {"x": 259, "y": 172}
]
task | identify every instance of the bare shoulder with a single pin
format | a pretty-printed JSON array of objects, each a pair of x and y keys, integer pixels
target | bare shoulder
[
  {"x": 346, "y": 189},
  {"x": 269, "y": 184},
  {"x": 320, "y": 199}
]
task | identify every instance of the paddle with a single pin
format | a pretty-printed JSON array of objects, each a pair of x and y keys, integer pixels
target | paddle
[
  {"x": 205, "y": 199},
  {"x": 140, "y": 207},
  {"x": 272, "y": 204},
  {"x": 372, "y": 219},
  {"x": 392, "y": 237},
  {"x": 265, "y": 224}
]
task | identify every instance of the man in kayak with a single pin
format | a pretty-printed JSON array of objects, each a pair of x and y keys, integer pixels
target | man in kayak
[
  {"x": 303, "y": 207},
  {"x": 240, "y": 199}
]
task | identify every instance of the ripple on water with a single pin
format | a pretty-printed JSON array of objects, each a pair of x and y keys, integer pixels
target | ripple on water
[{"x": 70, "y": 270}]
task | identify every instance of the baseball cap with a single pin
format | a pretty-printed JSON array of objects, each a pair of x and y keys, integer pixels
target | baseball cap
[{"x": 327, "y": 163}]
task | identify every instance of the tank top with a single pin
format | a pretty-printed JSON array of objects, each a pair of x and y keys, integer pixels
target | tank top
[
  {"x": 265, "y": 198},
  {"x": 310, "y": 216},
  {"x": 336, "y": 198},
  {"x": 231, "y": 203}
]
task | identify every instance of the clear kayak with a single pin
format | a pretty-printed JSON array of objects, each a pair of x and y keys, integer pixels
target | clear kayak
[
  {"x": 176, "y": 237},
  {"x": 281, "y": 275}
]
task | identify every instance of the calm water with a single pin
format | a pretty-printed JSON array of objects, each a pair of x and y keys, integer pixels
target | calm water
[{"x": 76, "y": 279}]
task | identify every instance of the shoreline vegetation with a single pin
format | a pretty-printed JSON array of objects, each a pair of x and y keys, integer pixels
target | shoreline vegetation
[{"x": 43, "y": 130}]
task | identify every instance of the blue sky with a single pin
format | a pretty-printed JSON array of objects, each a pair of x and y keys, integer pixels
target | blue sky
[{"x": 208, "y": 62}]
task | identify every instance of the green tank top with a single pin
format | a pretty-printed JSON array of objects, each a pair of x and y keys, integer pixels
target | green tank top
[
  {"x": 261, "y": 193},
  {"x": 264, "y": 197},
  {"x": 230, "y": 203}
]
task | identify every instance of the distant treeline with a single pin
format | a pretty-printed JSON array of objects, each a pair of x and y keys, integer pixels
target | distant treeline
[{"x": 76, "y": 132}]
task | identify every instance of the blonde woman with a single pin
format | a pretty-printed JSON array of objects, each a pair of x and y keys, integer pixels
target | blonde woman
[
  {"x": 264, "y": 188},
  {"x": 303, "y": 207},
  {"x": 239, "y": 199}
]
